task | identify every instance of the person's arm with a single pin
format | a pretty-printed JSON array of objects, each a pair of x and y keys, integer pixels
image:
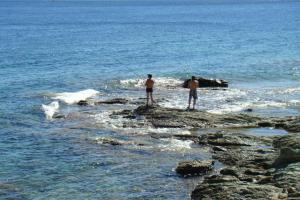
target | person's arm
[
  {"x": 189, "y": 84},
  {"x": 146, "y": 82}
]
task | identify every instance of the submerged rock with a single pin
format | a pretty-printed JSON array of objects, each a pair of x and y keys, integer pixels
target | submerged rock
[
  {"x": 194, "y": 167},
  {"x": 203, "y": 82},
  {"x": 113, "y": 101},
  {"x": 82, "y": 103}
]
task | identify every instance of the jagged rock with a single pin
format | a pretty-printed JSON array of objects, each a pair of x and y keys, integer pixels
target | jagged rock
[
  {"x": 229, "y": 187},
  {"x": 287, "y": 156},
  {"x": 113, "y": 101},
  {"x": 193, "y": 167},
  {"x": 207, "y": 82}
]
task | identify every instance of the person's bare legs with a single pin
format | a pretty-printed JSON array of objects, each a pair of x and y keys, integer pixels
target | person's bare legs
[
  {"x": 151, "y": 97},
  {"x": 194, "y": 103},
  {"x": 190, "y": 99},
  {"x": 147, "y": 99}
]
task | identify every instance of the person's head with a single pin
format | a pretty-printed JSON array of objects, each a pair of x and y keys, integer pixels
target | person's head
[
  {"x": 193, "y": 78},
  {"x": 149, "y": 75}
]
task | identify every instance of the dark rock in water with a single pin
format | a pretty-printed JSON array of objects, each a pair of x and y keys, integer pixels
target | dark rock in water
[
  {"x": 248, "y": 110},
  {"x": 113, "y": 101},
  {"x": 82, "y": 103},
  {"x": 109, "y": 141},
  {"x": 58, "y": 116},
  {"x": 194, "y": 167},
  {"x": 207, "y": 82}
]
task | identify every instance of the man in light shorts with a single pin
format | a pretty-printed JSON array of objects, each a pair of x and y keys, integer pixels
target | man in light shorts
[{"x": 193, "y": 85}]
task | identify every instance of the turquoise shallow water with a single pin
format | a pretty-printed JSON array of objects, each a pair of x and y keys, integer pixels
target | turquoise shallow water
[{"x": 49, "y": 47}]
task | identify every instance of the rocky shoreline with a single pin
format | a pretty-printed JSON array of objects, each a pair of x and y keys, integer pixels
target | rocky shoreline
[{"x": 255, "y": 167}]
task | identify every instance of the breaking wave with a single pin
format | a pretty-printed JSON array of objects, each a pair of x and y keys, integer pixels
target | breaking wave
[
  {"x": 50, "y": 109},
  {"x": 160, "y": 82},
  {"x": 75, "y": 97}
]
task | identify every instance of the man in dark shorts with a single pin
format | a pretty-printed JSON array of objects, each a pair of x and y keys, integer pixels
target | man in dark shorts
[
  {"x": 193, "y": 85},
  {"x": 149, "y": 89}
]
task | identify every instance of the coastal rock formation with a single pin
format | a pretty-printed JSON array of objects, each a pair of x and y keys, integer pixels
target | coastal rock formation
[
  {"x": 229, "y": 187},
  {"x": 203, "y": 82},
  {"x": 194, "y": 167}
]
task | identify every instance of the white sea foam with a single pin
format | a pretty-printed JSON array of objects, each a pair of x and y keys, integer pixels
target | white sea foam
[
  {"x": 229, "y": 108},
  {"x": 160, "y": 82},
  {"x": 75, "y": 97},
  {"x": 171, "y": 144},
  {"x": 50, "y": 109}
]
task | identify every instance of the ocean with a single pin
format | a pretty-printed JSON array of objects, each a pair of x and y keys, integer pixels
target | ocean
[{"x": 55, "y": 53}]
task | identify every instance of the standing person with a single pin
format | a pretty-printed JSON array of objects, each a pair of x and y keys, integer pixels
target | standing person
[
  {"x": 149, "y": 89},
  {"x": 193, "y": 85}
]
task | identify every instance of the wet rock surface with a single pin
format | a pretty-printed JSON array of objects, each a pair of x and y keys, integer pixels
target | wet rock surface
[
  {"x": 194, "y": 167},
  {"x": 161, "y": 117}
]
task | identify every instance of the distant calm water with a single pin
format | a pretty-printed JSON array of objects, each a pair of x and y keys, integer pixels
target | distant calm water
[{"x": 48, "y": 48}]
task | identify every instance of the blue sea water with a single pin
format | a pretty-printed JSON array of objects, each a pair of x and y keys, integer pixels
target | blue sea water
[{"x": 51, "y": 47}]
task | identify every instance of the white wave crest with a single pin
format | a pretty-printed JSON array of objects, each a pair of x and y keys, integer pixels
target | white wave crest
[
  {"x": 171, "y": 144},
  {"x": 50, "y": 109},
  {"x": 160, "y": 82},
  {"x": 229, "y": 108},
  {"x": 75, "y": 97}
]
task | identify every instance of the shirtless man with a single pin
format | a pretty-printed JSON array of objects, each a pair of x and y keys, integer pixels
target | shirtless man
[
  {"x": 149, "y": 89},
  {"x": 193, "y": 85}
]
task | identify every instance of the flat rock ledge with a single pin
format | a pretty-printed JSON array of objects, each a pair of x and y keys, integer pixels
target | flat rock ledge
[
  {"x": 194, "y": 167},
  {"x": 161, "y": 117}
]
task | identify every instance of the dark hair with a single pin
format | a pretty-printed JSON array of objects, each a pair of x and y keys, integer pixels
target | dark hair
[
  {"x": 149, "y": 75},
  {"x": 193, "y": 77}
]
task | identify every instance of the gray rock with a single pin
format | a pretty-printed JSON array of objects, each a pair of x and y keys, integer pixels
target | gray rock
[{"x": 235, "y": 190}]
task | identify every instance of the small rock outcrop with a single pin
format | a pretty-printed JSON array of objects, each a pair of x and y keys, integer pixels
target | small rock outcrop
[
  {"x": 194, "y": 167},
  {"x": 203, "y": 82}
]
